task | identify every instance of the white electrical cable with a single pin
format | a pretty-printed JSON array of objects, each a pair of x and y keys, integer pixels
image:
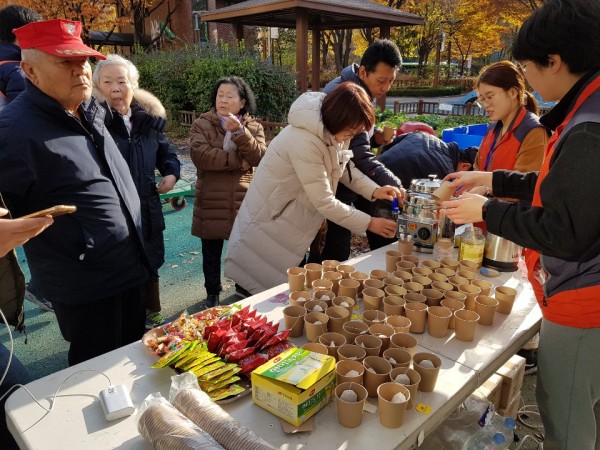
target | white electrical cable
[{"x": 52, "y": 400}]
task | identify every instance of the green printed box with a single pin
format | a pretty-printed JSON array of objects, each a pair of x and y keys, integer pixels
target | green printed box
[{"x": 294, "y": 385}]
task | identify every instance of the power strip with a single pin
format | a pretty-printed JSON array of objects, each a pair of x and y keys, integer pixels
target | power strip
[{"x": 116, "y": 402}]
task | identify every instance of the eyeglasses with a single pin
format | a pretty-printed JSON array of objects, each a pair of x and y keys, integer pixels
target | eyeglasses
[
  {"x": 523, "y": 67},
  {"x": 482, "y": 101}
]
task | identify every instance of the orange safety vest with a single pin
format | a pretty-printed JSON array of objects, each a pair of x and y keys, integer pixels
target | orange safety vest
[
  {"x": 578, "y": 308},
  {"x": 502, "y": 154}
]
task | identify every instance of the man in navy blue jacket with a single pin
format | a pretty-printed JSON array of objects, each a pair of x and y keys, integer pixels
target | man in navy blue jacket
[
  {"x": 55, "y": 150},
  {"x": 376, "y": 73}
]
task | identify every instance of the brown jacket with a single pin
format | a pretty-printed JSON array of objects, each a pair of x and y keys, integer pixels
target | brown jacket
[{"x": 222, "y": 182}]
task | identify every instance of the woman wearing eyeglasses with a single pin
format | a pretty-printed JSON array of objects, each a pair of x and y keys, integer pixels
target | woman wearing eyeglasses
[
  {"x": 515, "y": 140},
  {"x": 560, "y": 45}
]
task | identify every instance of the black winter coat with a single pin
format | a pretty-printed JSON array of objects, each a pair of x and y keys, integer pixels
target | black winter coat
[{"x": 145, "y": 150}]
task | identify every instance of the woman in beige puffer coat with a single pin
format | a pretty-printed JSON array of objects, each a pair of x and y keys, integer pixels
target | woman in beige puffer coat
[
  {"x": 226, "y": 144},
  {"x": 294, "y": 188}
]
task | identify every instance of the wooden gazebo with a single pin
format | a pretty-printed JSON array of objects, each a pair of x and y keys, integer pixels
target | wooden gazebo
[{"x": 314, "y": 15}]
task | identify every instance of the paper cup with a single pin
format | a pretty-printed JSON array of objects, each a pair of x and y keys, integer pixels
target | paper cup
[
  {"x": 338, "y": 316},
  {"x": 332, "y": 341},
  {"x": 422, "y": 271},
  {"x": 377, "y": 372},
  {"x": 442, "y": 286},
  {"x": 388, "y": 133},
  {"x": 413, "y": 286},
  {"x": 324, "y": 296},
  {"x": 383, "y": 332},
  {"x": 438, "y": 277},
  {"x": 431, "y": 264},
  {"x": 330, "y": 265},
  {"x": 314, "y": 330},
  {"x": 350, "y": 413},
  {"x": 322, "y": 285},
  {"x": 486, "y": 306},
  {"x": 391, "y": 258},
  {"x": 393, "y": 305},
  {"x": 311, "y": 304},
  {"x": 293, "y": 318},
  {"x": 413, "y": 385},
  {"x": 400, "y": 324},
  {"x": 417, "y": 313},
  {"x": 465, "y": 324},
  {"x": 452, "y": 305},
  {"x": 456, "y": 281},
  {"x": 424, "y": 281},
  {"x": 484, "y": 285},
  {"x": 351, "y": 352},
  {"x": 373, "y": 283},
  {"x": 354, "y": 328},
  {"x": 348, "y": 288},
  {"x": 471, "y": 292},
  {"x": 404, "y": 341},
  {"x": 450, "y": 263},
  {"x": 345, "y": 270},
  {"x": 428, "y": 375},
  {"x": 361, "y": 277},
  {"x": 344, "y": 302},
  {"x": 471, "y": 276},
  {"x": 391, "y": 414},
  {"x": 371, "y": 344},
  {"x": 397, "y": 357},
  {"x": 391, "y": 280},
  {"x": 378, "y": 274},
  {"x": 448, "y": 272},
  {"x": 299, "y": 298},
  {"x": 316, "y": 348},
  {"x": 296, "y": 278},
  {"x": 438, "y": 319},
  {"x": 372, "y": 298},
  {"x": 469, "y": 265},
  {"x": 406, "y": 275},
  {"x": 443, "y": 193},
  {"x": 397, "y": 291},
  {"x": 506, "y": 298},
  {"x": 313, "y": 272},
  {"x": 434, "y": 297},
  {"x": 344, "y": 366},
  {"x": 455, "y": 295},
  {"x": 406, "y": 246},
  {"x": 335, "y": 278},
  {"x": 406, "y": 266},
  {"x": 414, "y": 297},
  {"x": 411, "y": 258},
  {"x": 373, "y": 316}
]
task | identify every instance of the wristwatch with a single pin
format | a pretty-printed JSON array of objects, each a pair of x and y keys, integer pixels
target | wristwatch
[{"x": 485, "y": 206}]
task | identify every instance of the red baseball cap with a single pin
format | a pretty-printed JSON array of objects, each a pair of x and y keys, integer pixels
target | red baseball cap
[{"x": 57, "y": 37}]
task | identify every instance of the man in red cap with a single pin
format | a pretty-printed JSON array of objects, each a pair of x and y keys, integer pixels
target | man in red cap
[{"x": 55, "y": 150}]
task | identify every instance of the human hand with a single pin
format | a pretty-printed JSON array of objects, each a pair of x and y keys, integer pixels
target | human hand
[
  {"x": 388, "y": 193},
  {"x": 380, "y": 139},
  {"x": 465, "y": 209},
  {"x": 479, "y": 190},
  {"x": 166, "y": 184},
  {"x": 16, "y": 232},
  {"x": 232, "y": 123},
  {"x": 245, "y": 167},
  {"x": 467, "y": 180},
  {"x": 383, "y": 227}
]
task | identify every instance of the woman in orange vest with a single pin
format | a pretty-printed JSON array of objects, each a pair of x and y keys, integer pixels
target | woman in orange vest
[
  {"x": 516, "y": 139},
  {"x": 558, "y": 48}
]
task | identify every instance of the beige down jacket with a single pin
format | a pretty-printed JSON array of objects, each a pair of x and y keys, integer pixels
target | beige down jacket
[
  {"x": 222, "y": 184},
  {"x": 292, "y": 192}
]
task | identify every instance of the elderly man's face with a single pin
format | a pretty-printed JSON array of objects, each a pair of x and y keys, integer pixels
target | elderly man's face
[{"x": 66, "y": 80}]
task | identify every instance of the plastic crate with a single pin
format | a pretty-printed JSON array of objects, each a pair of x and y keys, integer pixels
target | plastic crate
[{"x": 469, "y": 136}]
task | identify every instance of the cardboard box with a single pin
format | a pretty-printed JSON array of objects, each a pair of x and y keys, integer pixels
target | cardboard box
[
  {"x": 294, "y": 385},
  {"x": 491, "y": 390},
  {"x": 513, "y": 407},
  {"x": 512, "y": 373}
]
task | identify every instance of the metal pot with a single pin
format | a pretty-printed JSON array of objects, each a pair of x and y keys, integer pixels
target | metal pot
[
  {"x": 421, "y": 207},
  {"x": 500, "y": 253}
]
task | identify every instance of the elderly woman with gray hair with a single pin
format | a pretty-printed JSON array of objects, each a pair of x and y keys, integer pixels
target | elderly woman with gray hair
[{"x": 136, "y": 120}]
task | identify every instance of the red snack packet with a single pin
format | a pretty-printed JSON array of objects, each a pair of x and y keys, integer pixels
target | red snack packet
[
  {"x": 236, "y": 355},
  {"x": 251, "y": 362},
  {"x": 232, "y": 347},
  {"x": 215, "y": 339},
  {"x": 276, "y": 349},
  {"x": 267, "y": 332},
  {"x": 279, "y": 337},
  {"x": 238, "y": 316}
]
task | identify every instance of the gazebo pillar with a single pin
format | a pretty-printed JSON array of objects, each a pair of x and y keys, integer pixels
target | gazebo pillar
[
  {"x": 302, "y": 48},
  {"x": 316, "y": 59},
  {"x": 238, "y": 29}
]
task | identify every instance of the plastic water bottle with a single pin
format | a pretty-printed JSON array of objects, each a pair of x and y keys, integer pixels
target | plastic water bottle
[{"x": 487, "y": 441}]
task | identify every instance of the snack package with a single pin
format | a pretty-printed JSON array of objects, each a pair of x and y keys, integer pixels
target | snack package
[
  {"x": 165, "y": 428},
  {"x": 200, "y": 409}
]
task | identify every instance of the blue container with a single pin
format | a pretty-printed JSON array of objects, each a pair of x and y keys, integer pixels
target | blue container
[{"x": 469, "y": 136}]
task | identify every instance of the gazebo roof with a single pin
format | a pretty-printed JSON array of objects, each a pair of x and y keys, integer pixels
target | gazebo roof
[{"x": 325, "y": 14}]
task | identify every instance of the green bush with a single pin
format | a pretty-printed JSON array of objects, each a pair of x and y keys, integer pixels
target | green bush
[
  {"x": 425, "y": 91},
  {"x": 183, "y": 79}
]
